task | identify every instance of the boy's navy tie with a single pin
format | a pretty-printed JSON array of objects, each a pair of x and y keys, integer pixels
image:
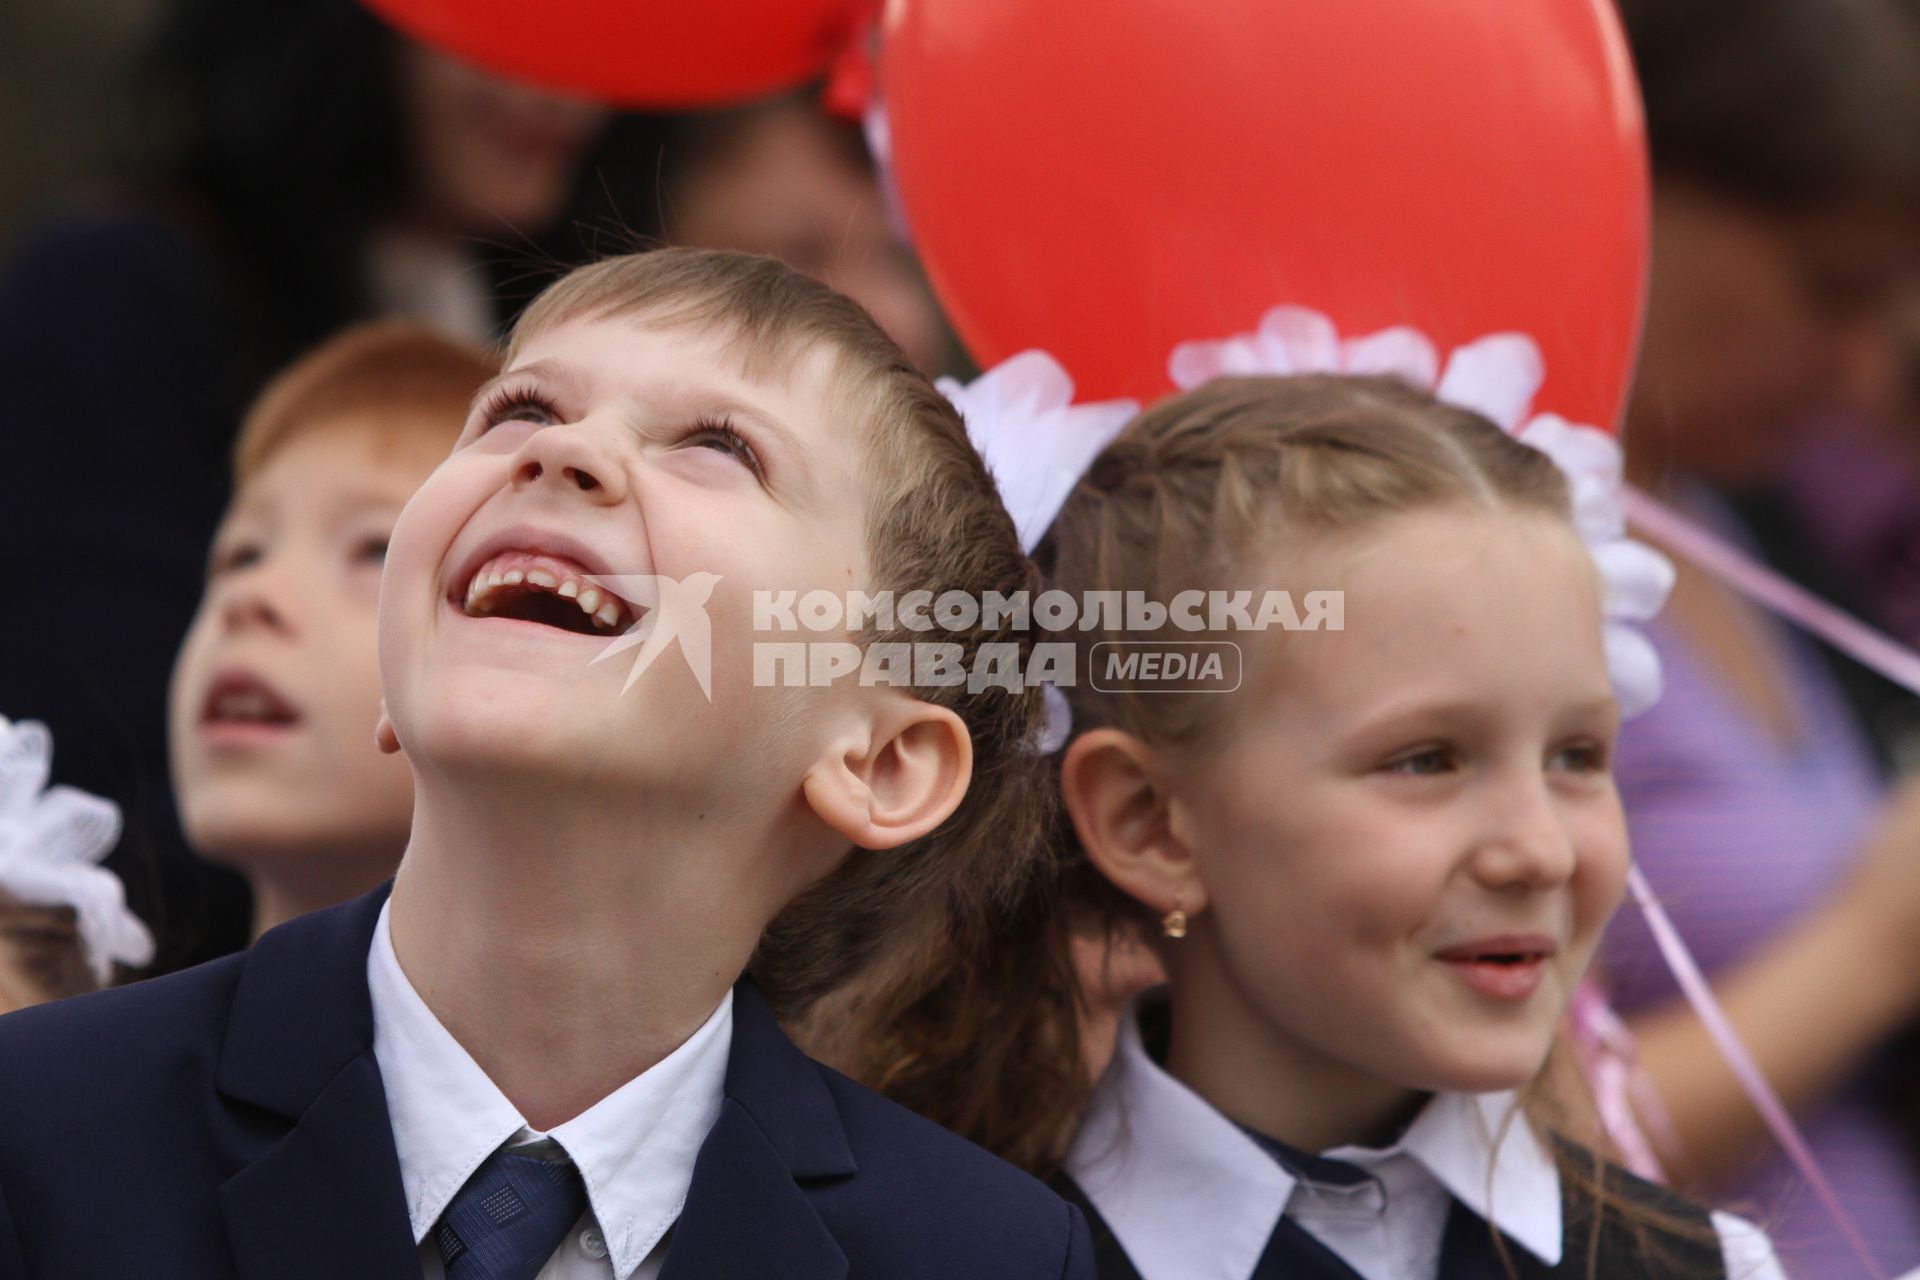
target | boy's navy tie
[{"x": 509, "y": 1218}]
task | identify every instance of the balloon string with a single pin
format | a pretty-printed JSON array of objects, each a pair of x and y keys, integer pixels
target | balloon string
[
  {"x": 1872, "y": 649},
  {"x": 1622, "y": 1093},
  {"x": 1700, "y": 995}
]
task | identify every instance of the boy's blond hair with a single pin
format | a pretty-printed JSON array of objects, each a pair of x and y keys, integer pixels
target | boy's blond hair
[
  {"x": 934, "y": 521},
  {"x": 394, "y": 379}
]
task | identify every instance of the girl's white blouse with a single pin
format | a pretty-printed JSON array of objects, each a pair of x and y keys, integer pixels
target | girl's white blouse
[{"x": 1190, "y": 1196}]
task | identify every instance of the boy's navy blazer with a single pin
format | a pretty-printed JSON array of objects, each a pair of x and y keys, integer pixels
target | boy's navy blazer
[{"x": 230, "y": 1121}]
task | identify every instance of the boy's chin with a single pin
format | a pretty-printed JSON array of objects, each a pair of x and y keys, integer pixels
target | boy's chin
[
  {"x": 500, "y": 739},
  {"x": 265, "y": 836}
]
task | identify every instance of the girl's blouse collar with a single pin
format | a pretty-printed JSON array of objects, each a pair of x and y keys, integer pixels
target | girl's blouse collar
[{"x": 1189, "y": 1193}]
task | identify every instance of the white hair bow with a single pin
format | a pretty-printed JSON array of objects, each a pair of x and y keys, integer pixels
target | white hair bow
[
  {"x": 1497, "y": 377},
  {"x": 1037, "y": 443},
  {"x": 51, "y": 840}
]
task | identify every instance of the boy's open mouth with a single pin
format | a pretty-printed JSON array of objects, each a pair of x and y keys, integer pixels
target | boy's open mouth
[
  {"x": 238, "y": 697},
  {"x": 549, "y": 590}
]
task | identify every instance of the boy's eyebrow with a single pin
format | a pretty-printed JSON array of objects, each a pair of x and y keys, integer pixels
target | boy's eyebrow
[
  {"x": 348, "y": 503},
  {"x": 537, "y": 369},
  {"x": 247, "y": 501}
]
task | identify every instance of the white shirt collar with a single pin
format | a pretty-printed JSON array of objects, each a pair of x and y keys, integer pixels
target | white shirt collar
[
  {"x": 1188, "y": 1193},
  {"x": 1480, "y": 1147},
  {"x": 635, "y": 1148}
]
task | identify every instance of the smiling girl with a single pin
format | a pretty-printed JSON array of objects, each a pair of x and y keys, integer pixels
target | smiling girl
[{"x": 1376, "y": 869}]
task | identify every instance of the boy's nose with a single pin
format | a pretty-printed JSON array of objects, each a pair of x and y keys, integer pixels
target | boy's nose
[
  {"x": 570, "y": 457},
  {"x": 250, "y": 607}
]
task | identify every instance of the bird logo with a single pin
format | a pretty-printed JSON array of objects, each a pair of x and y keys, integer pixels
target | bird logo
[{"x": 669, "y": 609}]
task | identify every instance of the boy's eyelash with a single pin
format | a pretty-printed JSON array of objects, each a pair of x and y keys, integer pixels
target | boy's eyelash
[
  {"x": 737, "y": 444},
  {"x": 1436, "y": 754},
  {"x": 502, "y": 401},
  {"x": 228, "y": 558},
  {"x": 242, "y": 554}
]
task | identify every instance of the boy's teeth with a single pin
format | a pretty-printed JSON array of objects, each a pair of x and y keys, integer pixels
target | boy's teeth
[
  {"x": 603, "y": 607},
  {"x": 243, "y": 706}
]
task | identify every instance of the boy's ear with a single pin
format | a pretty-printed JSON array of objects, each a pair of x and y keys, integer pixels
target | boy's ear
[
  {"x": 1123, "y": 815},
  {"x": 383, "y": 735},
  {"x": 901, "y": 779}
]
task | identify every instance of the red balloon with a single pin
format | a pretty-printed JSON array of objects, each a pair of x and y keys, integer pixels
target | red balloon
[
  {"x": 1107, "y": 181},
  {"x": 641, "y": 53}
]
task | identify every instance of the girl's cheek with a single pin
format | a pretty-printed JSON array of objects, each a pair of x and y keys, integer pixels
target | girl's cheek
[
  {"x": 1614, "y": 891},
  {"x": 1601, "y": 882}
]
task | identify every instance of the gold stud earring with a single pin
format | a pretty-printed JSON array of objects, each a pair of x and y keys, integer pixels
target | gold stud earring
[{"x": 1174, "y": 923}]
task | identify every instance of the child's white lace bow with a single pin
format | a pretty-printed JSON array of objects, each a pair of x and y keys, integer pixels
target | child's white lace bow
[
  {"x": 1037, "y": 443},
  {"x": 1497, "y": 377},
  {"x": 51, "y": 840}
]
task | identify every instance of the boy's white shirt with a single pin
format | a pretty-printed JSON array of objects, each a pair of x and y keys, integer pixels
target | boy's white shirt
[
  {"x": 635, "y": 1148},
  {"x": 1190, "y": 1196}
]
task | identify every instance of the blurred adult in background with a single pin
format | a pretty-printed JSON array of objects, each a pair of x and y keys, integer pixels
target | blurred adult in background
[
  {"x": 291, "y": 167},
  {"x": 785, "y": 178},
  {"x": 1786, "y": 151},
  {"x": 1850, "y": 487}
]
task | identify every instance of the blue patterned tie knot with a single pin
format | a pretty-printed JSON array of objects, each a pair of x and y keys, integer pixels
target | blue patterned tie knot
[{"x": 509, "y": 1218}]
